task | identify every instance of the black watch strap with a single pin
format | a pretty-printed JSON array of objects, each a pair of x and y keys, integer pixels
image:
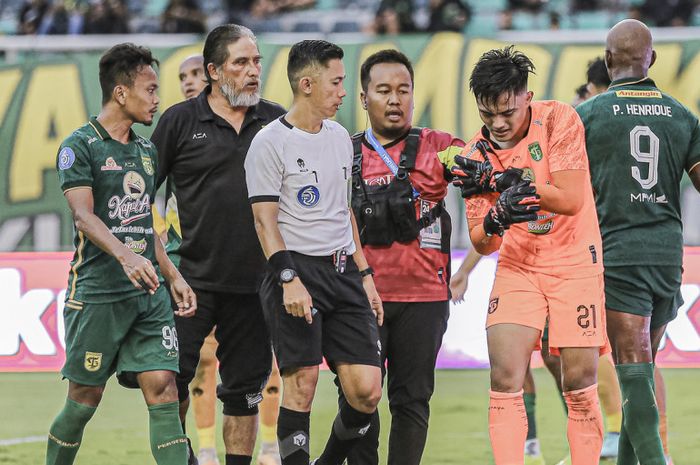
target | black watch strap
[{"x": 367, "y": 272}]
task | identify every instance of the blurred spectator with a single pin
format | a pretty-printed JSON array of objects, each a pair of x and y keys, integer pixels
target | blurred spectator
[
  {"x": 106, "y": 17},
  {"x": 64, "y": 17},
  {"x": 533, "y": 6},
  {"x": 597, "y": 77},
  {"x": 183, "y": 17},
  {"x": 664, "y": 13},
  {"x": 393, "y": 17},
  {"x": 554, "y": 21},
  {"x": 265, "y": 8},
  {"x": 581, "y": 95},
  {"x": 448, "y": 15},
  {"x": 505, "y": 20},
  {"x": 31, "y": 14},
  {"x": 585, "y": 5}
]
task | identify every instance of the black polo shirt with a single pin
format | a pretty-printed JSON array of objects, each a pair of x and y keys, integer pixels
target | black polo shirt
[{"x": 203, "y": 155}]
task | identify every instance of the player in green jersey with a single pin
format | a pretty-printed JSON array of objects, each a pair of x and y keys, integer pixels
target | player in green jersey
[
  {"x": 117, "y": 315},
  {"x": 639, "y": 142}
]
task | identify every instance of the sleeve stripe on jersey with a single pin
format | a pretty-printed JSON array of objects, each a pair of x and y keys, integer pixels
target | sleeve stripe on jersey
[
  {"x": 76, "y": 185},
  {"x": 264, "y": 198},
  {"x": 78, "y": 262},
  {"x": 694, "y": 166}
]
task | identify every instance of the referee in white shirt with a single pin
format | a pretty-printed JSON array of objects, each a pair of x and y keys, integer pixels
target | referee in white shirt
[{"x": 318, "y": 294}]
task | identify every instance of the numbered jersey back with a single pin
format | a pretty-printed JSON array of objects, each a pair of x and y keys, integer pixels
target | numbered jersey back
[{"x": 639, "y": 142}]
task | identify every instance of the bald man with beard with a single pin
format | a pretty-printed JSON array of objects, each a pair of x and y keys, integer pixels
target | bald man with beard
[{"x": 639, "y": 142}]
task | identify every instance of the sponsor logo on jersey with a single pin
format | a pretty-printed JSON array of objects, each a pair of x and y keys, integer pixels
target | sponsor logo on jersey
[
  {"x": 535, "y": 151},
  {"x": 643, "y": 197},
  {"x": 147, "y": 165},
  {"x": 110, "y": 165},
  {"x": 380, "y": 181},
  {"x": 135, "y": 204},
  {"x": 302, "y": 165},
  {"x": 136, "y": 246},
  {"x": 199, "y": 135},
  {"x": 542, "y": 225},
  {"x": 66, "y": 158},
  {"x": 93, "y": 361},
  {"x": 493, "y": 305},
  {"x": 363, "y": 431},
  {"x": 638, "y": 94},
  {"x": 144, "y": 142},
  {"x": 308, "y": 196},
  {"x": 91, "y": 140}
]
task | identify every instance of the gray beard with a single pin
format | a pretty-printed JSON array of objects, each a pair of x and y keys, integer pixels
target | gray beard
[{"x": 240, "y": 99}]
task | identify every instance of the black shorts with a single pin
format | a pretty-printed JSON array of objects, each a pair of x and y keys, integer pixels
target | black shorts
[
  {"x": 344, "y": 329},
  {"x": 244, "y": 352}
]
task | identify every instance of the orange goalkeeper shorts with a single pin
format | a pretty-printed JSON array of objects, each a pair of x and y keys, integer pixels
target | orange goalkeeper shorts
[{"x": 575, "y": 307}]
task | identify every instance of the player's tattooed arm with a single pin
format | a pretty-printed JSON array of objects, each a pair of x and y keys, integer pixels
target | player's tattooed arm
[
  {"x": 183, "y": 295},
  {"x": 137, "y": 268}
]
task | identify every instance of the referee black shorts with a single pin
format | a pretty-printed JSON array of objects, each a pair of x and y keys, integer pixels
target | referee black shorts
[{"x": 344, "y": 328}]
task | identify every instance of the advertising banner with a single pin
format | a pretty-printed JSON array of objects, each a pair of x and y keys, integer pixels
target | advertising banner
[{"x": 32, "y": 291}]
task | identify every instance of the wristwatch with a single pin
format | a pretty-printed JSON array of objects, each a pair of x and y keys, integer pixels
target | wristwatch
[
  {"x": 287, "y": 275},
  {"x": 367, "y": 272}
]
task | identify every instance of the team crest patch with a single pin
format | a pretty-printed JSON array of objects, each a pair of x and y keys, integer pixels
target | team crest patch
[
  {"x": 147, "y": 165},
  {"x": 93, "y": 361},
  {"x": 308, "y": 196},
  {"x": 535, "y": 151},
  {"x": 110, "y": 165},
  {"x": 493, "y": 305},
  {"x": 66, "y": 158}
]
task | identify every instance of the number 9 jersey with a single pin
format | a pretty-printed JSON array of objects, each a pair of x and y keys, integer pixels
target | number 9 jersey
[{"x": 639, "y": 142}]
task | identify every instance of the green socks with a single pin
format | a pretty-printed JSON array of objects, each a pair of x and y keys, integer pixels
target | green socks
[
  {"x": 66, "y": 433},
  {"x": 168, "y": 442},
  {"x": 529, "y": 399},
  {"x": 640, "y": 416}
]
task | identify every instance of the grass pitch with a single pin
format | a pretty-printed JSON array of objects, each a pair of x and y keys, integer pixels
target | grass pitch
[{"x": 118, "y": 433}]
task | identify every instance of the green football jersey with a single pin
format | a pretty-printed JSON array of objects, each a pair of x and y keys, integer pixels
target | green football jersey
[
  {"x": 639, "y": 142},
  {"x": 122, "y": 179}
]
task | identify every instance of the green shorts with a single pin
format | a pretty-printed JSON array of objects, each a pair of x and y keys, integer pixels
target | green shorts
[
  {"x": 653, "y": 291},
  {"x": 127, "y": 337}
]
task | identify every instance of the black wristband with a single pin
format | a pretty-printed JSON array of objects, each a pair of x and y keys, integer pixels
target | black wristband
[
  {"x": 281, "y": 260},
  {"x": 367, "y": 272}
]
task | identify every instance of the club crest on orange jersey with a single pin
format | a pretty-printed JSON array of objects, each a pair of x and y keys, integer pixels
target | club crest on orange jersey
[{"x": 535, "y": 151}]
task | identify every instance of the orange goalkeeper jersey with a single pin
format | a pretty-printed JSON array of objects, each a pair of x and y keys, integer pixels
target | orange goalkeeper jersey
[{"x": 554, "y": 244}]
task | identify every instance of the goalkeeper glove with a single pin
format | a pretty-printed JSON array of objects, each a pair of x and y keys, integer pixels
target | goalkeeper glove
[
  {"x": 473, "y": 177},
  {"x": 517, "y": 204}
]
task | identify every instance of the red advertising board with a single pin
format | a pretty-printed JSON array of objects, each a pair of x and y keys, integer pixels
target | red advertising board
[{"x": 32, "y": 290}]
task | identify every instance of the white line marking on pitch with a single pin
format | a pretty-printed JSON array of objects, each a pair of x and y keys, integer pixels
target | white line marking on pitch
[{"x": 15, "y": 441}]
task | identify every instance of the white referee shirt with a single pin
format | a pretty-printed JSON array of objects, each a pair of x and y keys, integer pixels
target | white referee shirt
[{"x": 309, "y": 175}]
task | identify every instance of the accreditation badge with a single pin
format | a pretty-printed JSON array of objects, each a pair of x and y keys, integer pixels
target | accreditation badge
[{"x": 430, "y": 237}]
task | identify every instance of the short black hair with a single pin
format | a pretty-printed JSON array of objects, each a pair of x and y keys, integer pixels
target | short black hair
[
  {"x": 499, "y": 71},
  {"x": 582, "y": 91},
  {"x": 383, "y": 56},
  {"x": 598, "y": 73},
  {"x": 310, "y": 53},
  {"x": 217, "y": 42},
  {"x": 120, "y": 65}
]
